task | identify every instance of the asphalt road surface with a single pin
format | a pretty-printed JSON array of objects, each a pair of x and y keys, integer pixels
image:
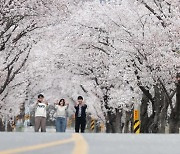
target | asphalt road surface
[{"x": 71, "y": 143}]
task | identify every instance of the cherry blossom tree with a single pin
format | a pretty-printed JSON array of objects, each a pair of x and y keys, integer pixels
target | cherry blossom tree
[
  {"x": 22, "y": 24},
  {"x": 116, "y": 56},
  {"x": 132, "y": 40}
]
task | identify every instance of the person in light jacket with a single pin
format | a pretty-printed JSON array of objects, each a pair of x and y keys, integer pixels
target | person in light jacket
[
  {"x": 61, "y": 115},
  {"x": 40, "y": 114}
]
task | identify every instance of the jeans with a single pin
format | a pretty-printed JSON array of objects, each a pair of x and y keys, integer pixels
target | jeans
[{"x": 60, "y": 124}]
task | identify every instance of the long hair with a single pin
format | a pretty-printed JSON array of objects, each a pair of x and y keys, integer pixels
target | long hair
[{"x": 61, "y": 101}]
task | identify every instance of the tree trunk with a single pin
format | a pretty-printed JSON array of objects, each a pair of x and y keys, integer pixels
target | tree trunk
[
  {"x": 2, "y": 127},
  {"x": 163, "y": 115},
  {"x": 108, "y": 127},
  {"x": 144, "y": 114},
  {"x": 154, "y": 127},
  {"x": 9, "y": 127},
  {"x": 174, "y": 123},
  {"x": 127, "y": 122},
  {"x": 118, "y": 128}
]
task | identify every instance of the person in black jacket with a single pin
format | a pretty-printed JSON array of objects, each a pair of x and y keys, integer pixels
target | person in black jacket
[{"x": 80, "y": 115}]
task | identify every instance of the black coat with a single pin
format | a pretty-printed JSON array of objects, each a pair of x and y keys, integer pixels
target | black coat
[{"x": 83, "y": 111}]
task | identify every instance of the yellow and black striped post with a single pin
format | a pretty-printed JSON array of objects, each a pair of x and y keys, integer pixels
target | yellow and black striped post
[
  {"x": 13, "y": 125},
  {"x": 136, "y": 122},
  {"x": 27, "y": 117},
  {"x": 92, "y": 124}
]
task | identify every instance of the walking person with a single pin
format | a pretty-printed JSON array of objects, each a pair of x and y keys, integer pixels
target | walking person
[
  {"x": 80, "y": 115},
  {"x": 61, "y": 115},
  {"x": 40, "y": 114}
]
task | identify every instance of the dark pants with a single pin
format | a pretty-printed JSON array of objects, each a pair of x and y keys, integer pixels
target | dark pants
[
  {"x": 40, "y": 122},
  {"x": 80, "y": 123}
]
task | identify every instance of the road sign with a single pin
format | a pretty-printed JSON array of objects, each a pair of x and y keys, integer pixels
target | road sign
[{"x": 136, "y": 114}]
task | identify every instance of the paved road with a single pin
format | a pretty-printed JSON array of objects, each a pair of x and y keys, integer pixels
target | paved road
[{"x": 70, "y": 143}]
